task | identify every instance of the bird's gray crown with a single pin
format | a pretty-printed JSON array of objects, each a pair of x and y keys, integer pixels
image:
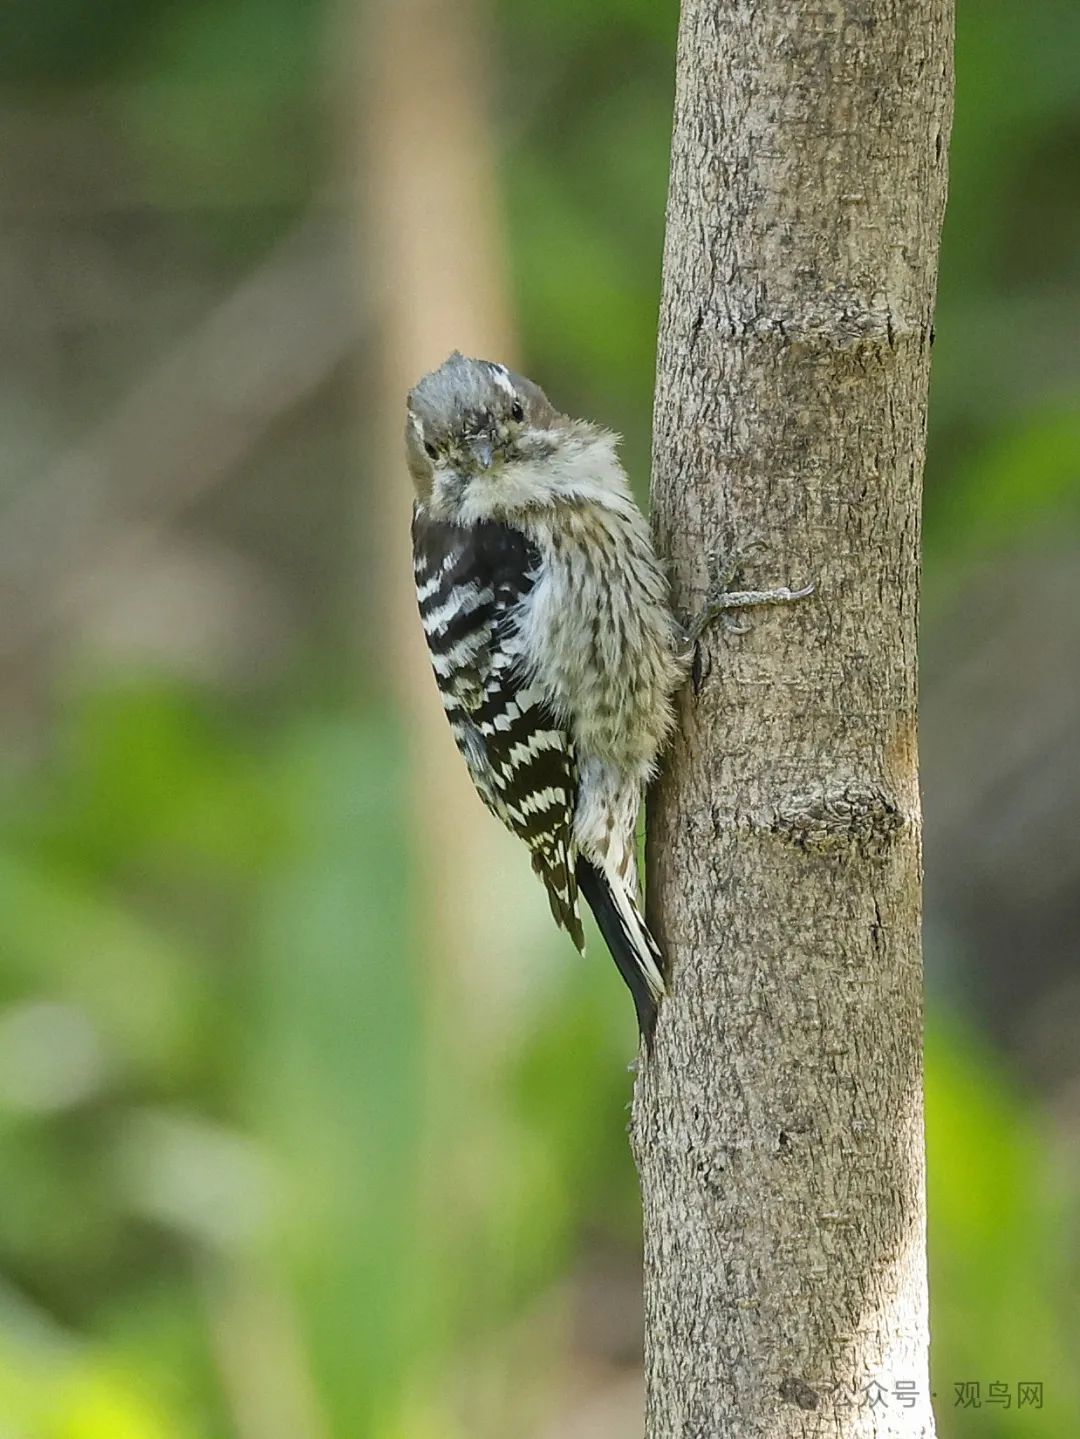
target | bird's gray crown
[
  {"x": 458, "y": 389},
  {"x": 464, "y": 394}
]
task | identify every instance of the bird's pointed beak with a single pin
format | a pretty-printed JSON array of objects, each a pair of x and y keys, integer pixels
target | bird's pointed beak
[{"x": 482, "y": 451}]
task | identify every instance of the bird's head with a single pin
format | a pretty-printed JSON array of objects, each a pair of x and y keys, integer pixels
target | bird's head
[{"x": 484, "y": 443}]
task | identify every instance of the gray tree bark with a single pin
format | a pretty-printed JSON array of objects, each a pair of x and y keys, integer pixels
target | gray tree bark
[{"x": 778, "y": 1124}]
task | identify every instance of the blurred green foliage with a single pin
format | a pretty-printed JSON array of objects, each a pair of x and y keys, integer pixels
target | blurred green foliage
[{"x": 235, "y": 1138}]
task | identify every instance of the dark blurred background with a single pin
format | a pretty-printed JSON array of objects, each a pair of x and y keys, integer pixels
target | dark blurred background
[{"x": 310, "y": 1125}]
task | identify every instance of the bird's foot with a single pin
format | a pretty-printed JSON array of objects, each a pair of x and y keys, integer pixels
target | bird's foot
[{"x": 723, "y": 602}]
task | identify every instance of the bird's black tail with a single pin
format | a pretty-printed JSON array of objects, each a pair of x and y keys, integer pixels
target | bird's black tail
[{"x": 626, "y": 935}]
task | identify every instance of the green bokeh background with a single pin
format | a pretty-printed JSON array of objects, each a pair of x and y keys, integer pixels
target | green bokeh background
[{"x": 249, "y": 1185}]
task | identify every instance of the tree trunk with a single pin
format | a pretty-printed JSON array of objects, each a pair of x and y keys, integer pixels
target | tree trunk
[{"x": 778, "y": 1125}]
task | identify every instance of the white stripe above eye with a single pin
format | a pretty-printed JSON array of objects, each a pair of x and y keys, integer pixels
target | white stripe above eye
[{"x": 501, "y": 375}]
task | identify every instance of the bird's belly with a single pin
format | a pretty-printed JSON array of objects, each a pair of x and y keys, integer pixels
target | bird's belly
[{"x": 602, "y": 651}]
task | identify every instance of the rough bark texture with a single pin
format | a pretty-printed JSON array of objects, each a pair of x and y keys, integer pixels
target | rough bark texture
[{"x": 778, "y": 1125}]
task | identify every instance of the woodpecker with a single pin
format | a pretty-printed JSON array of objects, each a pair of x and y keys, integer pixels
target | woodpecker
[{"x": 552, "y": 637}]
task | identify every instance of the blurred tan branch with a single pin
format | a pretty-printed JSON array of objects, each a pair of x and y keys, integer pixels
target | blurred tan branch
[
  {"x": 430, "y": 244},
  {"x": 181, "y": 430}
]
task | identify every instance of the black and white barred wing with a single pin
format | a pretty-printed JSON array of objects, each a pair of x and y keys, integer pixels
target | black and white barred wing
[{"x": 469, "y": 583}]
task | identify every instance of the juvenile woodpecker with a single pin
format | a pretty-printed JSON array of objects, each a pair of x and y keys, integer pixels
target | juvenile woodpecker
[{"x": 552, "y": 637}]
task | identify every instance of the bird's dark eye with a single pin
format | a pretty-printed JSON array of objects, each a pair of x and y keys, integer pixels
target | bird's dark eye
[
  {"x": 432, "y": 452},
  {"x": 517, "y": 412}
]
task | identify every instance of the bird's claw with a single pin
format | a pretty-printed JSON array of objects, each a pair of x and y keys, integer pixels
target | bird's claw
[{"x": 722, "y": 601}]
